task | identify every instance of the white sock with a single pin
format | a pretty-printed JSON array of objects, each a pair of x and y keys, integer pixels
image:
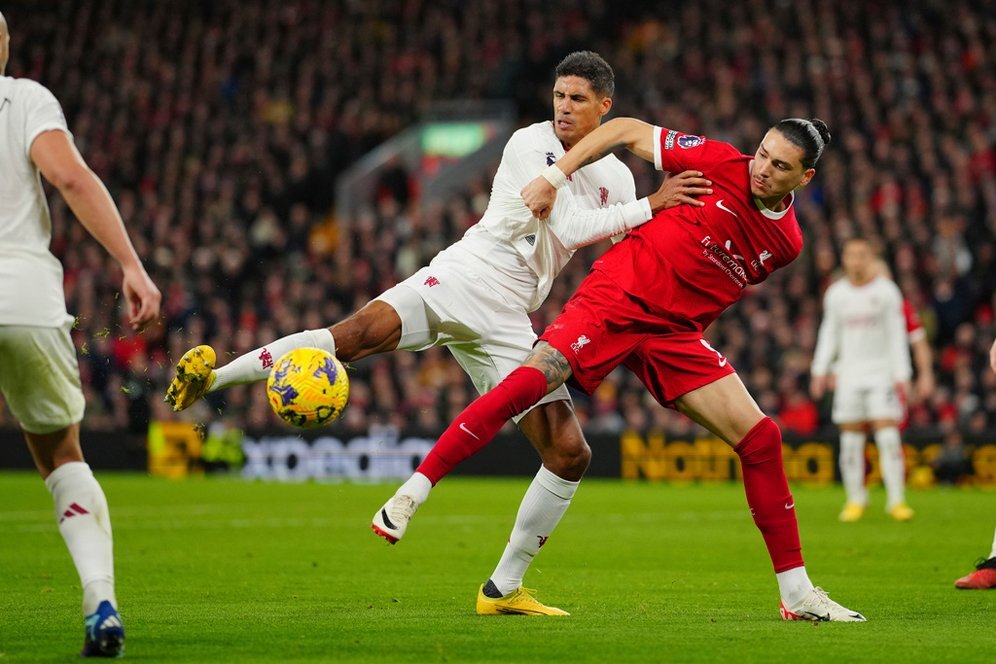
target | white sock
[
  {"x": 793, "y": 585},
  {"x": 545, "y": 502},
  {"x": 890, "y": 460},
  {"x": 255, "y": 365},
  {"x": 993, "y": 553},
  {"x": 852, "y": 466},
  {"x": 85, "y": 525},
  {"x": 418, "y": 487}
]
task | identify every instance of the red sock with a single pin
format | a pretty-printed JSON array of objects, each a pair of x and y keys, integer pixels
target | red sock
[
  {"x": 480, "y": 421},
  {"x": 768, "y": 495}
]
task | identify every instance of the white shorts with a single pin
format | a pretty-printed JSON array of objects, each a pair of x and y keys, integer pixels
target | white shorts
[
  {"x": 40, "y": 376},
  {"x": 450, "y": 305},
  {"x": 866, "y": 403}
]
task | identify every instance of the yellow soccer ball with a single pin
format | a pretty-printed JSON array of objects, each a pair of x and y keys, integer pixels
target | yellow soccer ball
[{"x": 308, "y": 387}]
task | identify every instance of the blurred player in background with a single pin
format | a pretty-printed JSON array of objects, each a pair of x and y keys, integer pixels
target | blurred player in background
[
  {"x": 863, "y": 343},
  {"x": 39, "y": 374},
  {"x": 984, "y": 575},
  {"x": 647, "y": 301},
  {"x": 475, "y": 298}
]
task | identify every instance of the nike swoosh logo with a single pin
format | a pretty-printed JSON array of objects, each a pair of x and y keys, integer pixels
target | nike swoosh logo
[
  {"x": 387, "y": 521},
  {"x": 789, "y": 506},
  {"x": 818, "y": 617},
  {"x": 722, "y": 362},
  {"x": 722, "y": 207},
  {"x": 6, "y": 100},
  {"x": 463, "y": 427}
]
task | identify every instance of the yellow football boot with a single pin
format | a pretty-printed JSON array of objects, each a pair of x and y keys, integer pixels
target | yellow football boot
[
  {"x": 194, "y": 377},
  {"x": 520, "y": 601},
  {"x": 852, "y": 512},
  {"x": 901, "y": 512}
]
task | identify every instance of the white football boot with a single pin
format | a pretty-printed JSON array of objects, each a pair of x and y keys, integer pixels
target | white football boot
[
  {"x": 817, "y": 606},
  {"x": 391, "y": 521}
]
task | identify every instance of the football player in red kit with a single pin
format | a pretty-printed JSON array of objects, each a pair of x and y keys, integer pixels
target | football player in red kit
[{"x": 645, "y": 305}]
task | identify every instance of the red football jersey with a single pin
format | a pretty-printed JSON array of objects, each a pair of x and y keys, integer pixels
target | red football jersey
[{"x": 688, "y": 264}]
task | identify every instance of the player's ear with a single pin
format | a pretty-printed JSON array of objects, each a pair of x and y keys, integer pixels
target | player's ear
[
  {"x": 807, "y": 176},
  {"x": 604, "y": 105}
]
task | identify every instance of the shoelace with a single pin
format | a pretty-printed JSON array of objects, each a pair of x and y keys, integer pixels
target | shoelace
[{"x": 402, "y": 508}]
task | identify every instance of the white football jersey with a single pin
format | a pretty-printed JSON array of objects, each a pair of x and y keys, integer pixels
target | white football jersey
[
  {"x": 30, "y": 276},
  {"x": 862, "y": 338},
  {"x": 524, "y": 253}
]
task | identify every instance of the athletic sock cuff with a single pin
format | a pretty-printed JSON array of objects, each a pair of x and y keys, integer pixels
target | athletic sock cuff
[
  {"x": 65, "y": 471},
  {"x": 558, "y": 486},
  {"x": 323, "y": 339}
]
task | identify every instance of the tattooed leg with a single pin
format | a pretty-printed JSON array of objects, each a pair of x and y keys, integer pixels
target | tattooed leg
[{"x": 551, "y": 362}]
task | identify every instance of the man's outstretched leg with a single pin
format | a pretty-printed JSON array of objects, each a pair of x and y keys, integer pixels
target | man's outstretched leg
[
  {"x": 472, "y": 429},
  {"x": 375, "y": 328}
]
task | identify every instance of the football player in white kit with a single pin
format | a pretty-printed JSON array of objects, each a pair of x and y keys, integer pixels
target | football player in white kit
[
  {"x": 475, "y": 297},
  {"x": 39, "y": 374},
  {"x": 862, "y": 352}
]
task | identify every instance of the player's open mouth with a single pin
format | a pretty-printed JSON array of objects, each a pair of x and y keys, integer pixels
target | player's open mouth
[{"x": 564, "y": 124}]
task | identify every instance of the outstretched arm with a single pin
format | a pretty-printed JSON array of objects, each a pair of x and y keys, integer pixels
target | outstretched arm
[
  {"x": 60, "y": 162},
  {"x": 635, "y": 135}
]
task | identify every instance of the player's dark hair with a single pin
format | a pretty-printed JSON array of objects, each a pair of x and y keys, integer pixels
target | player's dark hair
[
  {"x": 591, "y": 67},
  {"x": 810, "y": 135}
]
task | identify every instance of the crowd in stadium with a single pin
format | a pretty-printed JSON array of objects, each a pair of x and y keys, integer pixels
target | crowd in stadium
[{"x": 221, "y": 127}]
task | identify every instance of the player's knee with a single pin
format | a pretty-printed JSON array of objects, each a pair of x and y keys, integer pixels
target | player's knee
[
  {"x": 762, "y": 442},
  {"x": 569, "y": 458}
]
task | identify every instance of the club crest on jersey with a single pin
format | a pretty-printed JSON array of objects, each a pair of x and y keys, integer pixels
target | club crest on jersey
[
  {"x": 551, "y": 160},
  {"x": 690, "y": 141},
  {"x": 603, "y": 195},
  {"x": 580, "y": 343}
]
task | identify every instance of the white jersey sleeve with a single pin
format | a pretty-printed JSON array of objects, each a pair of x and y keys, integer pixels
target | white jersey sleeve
[
  {"x": 31, "y": 290},
  {"x": 597, "y": 202},
  {"x": 572, "y": 225}
]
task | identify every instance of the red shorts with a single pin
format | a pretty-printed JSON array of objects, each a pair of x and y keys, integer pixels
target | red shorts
[{"x": 602, "y": 327}]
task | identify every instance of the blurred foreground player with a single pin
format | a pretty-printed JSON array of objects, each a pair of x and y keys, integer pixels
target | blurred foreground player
[
  {"x": 984, "y": 575},
  {"x": 645, "y": 305},
  {"x": 39, "y": 374},
  {"x": 475, "y": 298}
]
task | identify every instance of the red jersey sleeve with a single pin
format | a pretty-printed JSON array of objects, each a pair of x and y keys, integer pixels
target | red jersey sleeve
[
  {"x": 675, "y": 151},
  {"x": 914, "y": 328}
]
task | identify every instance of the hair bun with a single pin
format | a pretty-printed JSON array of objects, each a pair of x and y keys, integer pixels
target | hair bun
[{"x": 822, "y": 129}]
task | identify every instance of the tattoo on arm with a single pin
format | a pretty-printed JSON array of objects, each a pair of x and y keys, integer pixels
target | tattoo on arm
[{"x": 554, "y": 366}]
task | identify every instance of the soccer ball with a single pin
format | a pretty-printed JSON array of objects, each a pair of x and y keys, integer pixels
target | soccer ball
[{"x": 308, "y": 387}]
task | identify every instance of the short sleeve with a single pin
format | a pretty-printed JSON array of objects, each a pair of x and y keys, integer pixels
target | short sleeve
[
  {"x": 675, "y": 151},
  {"x": 42, "y": 113}
]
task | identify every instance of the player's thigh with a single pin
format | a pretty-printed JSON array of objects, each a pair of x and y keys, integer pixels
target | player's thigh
[
  {"x": 40, "y": 377},
  {"x": 885, "y": 406},
  {"x": 408, "y": 316}
]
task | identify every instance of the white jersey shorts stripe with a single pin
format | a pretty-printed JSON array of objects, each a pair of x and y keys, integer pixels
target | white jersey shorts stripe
[
  {"x": 449, "y": 304},
  {"x": 40, "y": 376}
]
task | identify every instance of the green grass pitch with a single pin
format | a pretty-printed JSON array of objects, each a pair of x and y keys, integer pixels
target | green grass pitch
[{"x": 221, "y": 570}]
